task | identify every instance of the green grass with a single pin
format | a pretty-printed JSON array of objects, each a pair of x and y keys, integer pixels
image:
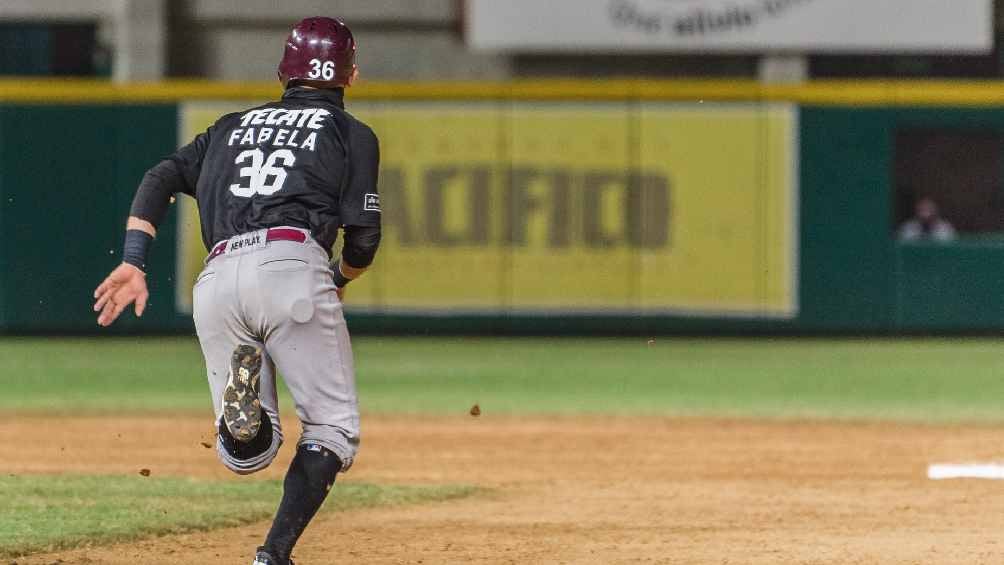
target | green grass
[
  {"x": 929, "y": 379},
  {"x": 920, "y": 380},
  {"x": 57, "y": 512}
]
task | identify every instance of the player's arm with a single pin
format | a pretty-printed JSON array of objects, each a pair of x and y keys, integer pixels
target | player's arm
[
  {"x": 126, "y": 284},
  {"x": 359, "y": 249},
  {"x": 360, "y": 209}
]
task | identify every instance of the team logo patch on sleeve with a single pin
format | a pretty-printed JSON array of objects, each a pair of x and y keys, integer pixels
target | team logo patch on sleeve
[{"x": 371, "y": 202}]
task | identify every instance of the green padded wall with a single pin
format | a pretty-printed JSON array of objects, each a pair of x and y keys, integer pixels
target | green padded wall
[
  {"x": 68, "y": 175},
  {"x": 69, "y": 172}
]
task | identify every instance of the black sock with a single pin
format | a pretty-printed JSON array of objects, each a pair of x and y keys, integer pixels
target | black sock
[
  {"x": 310, "y": 477},
  {"x": 255, "y": 447}
]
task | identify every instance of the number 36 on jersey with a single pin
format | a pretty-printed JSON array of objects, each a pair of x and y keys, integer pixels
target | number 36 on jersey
[{"x": 265, "y": 175}]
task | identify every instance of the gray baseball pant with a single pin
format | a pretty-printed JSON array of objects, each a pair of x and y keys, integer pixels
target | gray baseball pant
[{"x": 281, "y": 298}]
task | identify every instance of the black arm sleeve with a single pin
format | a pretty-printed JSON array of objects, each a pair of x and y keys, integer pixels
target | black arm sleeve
[
  {"x": 360, "y": 246},
  {"x": 360, "y": 206},
  {"x": 360, "y": 202},
  {"x": 177, "y": 173}
]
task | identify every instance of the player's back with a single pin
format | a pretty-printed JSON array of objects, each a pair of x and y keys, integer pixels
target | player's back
[{"x": 285, "y": 163}]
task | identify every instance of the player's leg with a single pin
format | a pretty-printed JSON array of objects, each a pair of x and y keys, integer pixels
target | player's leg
[
  {"x": 310, "y": 344},
  {"x": 310, "y": 477},
  {"x": 315, "y": 359},
  {"x": 248, "y": 430},
  {"x": 241, "y": 376},
  {"x": 328, "y": 410}
]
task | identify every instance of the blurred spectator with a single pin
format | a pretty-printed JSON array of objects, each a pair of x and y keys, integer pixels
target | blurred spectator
[{"x": 926, "y": 224}]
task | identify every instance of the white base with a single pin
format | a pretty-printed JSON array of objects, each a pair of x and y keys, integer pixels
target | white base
[{"x": 938, "y": 471}]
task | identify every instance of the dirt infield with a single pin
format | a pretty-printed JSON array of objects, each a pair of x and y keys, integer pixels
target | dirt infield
[{"x": 583, "y": 490}]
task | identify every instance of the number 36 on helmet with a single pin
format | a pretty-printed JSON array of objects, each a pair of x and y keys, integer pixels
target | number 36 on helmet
[{"x": 319, "y": 49}]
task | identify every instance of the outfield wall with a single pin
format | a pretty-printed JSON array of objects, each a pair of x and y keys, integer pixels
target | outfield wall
[{"x": 640, "y": 207}]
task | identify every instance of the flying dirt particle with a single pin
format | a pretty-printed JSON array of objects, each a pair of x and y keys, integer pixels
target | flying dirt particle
[
  {"x": 475, "y": 410},
  {"x": 205, "y": 444},
  {"x": 144, "y": 472}
]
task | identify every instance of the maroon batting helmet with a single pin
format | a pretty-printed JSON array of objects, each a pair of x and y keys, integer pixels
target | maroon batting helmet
[{"x": 320, "y": 49}]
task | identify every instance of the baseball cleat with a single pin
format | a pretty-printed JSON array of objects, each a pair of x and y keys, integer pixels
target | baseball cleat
[
  {"x": 263, "y": 558},
  {"x": 241, "y": 405}
]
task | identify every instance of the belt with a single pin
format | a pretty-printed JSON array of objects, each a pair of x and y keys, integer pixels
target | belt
[{"x": 272, "y": 234}]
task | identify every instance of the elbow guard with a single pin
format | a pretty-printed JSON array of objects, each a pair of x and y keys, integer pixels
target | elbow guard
[{"x": 360, "y": 245}]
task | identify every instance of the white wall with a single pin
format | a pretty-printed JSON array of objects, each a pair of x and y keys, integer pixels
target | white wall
[
  {"x": 430, "y": 11},
  {"x": 243, "y": 39},
  {"x": 398, "y": 39}
]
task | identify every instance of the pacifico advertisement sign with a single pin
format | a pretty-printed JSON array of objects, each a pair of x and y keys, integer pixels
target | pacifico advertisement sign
[
  {"x": 732, "y": 25},
  {"x": 572, "y": 208}
]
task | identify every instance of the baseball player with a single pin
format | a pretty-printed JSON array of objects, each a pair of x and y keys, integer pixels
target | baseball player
[{"x": 274, "y": 184}]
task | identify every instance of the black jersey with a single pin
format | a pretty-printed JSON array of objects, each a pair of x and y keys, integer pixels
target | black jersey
[{"x": 302, "y": 161}]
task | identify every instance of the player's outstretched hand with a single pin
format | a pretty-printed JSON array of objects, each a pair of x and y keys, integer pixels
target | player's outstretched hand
[{"x": 125, "y": 285}]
